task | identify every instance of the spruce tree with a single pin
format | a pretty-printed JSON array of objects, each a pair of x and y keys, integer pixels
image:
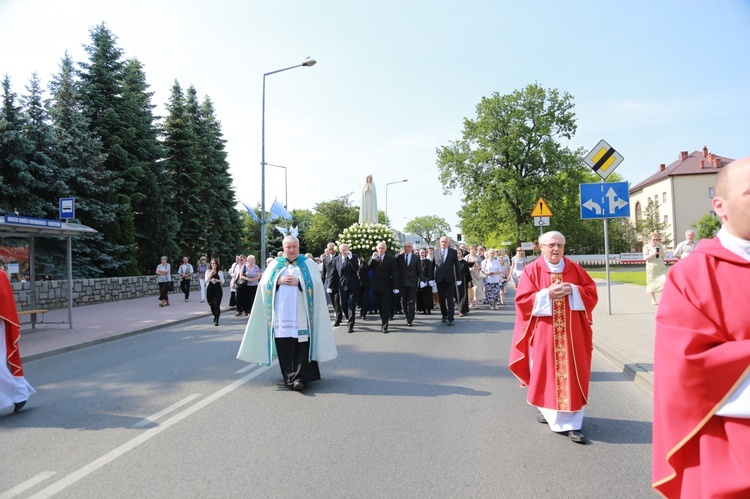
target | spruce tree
[
  {"x": 223, "y": 221},
  {"x": 80, "y": 166},
  {"x": 183, "y": 163},
  {"x": 149, "y": 186},
  {"x": 45, "y": 184},
  {"x": 102, "y": 94},
  {"x": 17, "y": 182}
]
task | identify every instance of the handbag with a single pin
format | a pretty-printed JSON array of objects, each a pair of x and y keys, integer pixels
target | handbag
[
  {"x": 170, "y": 285},
  {"x": 233, "y": 300}
]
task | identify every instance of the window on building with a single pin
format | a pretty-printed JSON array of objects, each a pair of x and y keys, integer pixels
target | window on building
[
  {"x": 666, "y": 220},
  {"x": 663, "y": 197},
  {"x": 711, "y": 192},
  {"x": 638, "y": 213}
]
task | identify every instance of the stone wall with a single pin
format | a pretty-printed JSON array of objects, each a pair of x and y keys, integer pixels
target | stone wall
[{"x": 54, "y": 294}]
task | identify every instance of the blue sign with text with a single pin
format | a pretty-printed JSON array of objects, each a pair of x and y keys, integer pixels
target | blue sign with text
[
  {"x": 67, "y": 208},
  {"x": 605, "y": 200}
]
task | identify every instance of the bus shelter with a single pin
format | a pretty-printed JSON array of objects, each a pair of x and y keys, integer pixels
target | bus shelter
[{"x": 30, "y": 228}]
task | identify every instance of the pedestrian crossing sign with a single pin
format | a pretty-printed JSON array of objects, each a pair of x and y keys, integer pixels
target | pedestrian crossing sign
[{"x": 541, "y": 209}]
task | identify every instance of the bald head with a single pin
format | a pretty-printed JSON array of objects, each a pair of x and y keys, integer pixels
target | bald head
[{"x": 732, "y": 197}]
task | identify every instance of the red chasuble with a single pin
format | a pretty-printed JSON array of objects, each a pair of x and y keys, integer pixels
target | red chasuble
[
  {"x": 561, "y": 344},
  {"x": 9, "y": 314},
  {"x": 701, "y": 353}
]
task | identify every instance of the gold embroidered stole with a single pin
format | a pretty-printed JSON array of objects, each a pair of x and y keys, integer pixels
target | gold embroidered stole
[{"x": 562, "y": 368}]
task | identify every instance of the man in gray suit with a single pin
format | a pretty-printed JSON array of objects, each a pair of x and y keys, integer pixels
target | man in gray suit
[{"x": 443, "y": 272}]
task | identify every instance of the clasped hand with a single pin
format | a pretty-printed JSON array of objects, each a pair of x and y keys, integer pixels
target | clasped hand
[
  {"x": 560, "y": 289},
  {"x": 289, "y": 279}
]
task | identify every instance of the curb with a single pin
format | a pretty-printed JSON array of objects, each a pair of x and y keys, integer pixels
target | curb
[
  {"x": 99, "y": 341},
  {"x": 637, "y": 373}
]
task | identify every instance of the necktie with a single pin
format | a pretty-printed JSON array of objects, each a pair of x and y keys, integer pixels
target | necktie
[
  {"x": 408, "y": 259},
  {"x": 445, "y": 252},
  {"x": 380, "y": 258}
]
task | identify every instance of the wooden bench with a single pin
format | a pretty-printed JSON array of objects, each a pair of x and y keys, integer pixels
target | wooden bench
[{"x": 33, "y": 314}]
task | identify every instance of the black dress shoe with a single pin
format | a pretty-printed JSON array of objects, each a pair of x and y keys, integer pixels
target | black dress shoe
[
  {"x": 298, "y": 386},
  {"x": 540, "y": 417},
  {"x": 351, "y": 328},
  {"x": 577, "y": 436},
  {"x": 409, "y": 324},
  {"x": 18, "y": 406},
  {"x": 450, "y": 322},
  {"x": 385, "y": 329},
  {"x": 443, "y": 320},
  {"x": 429, "y": 312},
  {"x": 337, "y": 323}
]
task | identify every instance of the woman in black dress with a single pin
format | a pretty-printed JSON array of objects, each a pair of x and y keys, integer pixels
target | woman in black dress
[
  {"x": 214, "y": 293},
  {"x": 462, "y": 291},
  {"x": 424, "y": 294}
]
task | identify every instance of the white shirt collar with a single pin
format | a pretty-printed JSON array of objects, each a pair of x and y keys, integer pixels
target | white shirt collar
[
  {"x": 739, "y": 247},
  {"x": 558, "y": 267}
]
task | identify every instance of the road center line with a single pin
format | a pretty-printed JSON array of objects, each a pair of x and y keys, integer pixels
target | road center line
[
  {"x": 144, "y": 437},
  {"x": 151, "y": 419},
  {"x": 22, "y": 487}
]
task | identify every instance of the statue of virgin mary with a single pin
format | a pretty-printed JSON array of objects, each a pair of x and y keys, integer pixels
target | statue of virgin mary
[{"x": 368, "y": 210}]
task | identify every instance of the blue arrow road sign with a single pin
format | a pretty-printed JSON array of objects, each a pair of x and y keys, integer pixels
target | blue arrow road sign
[{"x": 605, "y": 200}]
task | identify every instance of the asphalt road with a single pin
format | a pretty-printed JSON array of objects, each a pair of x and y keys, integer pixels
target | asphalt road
[{"x": 429, "y": 411}]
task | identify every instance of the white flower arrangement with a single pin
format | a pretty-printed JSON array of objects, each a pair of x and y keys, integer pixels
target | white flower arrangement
[{"x": 363, "y": 239}]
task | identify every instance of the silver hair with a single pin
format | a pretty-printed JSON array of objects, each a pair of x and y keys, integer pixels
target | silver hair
[
  {"x": 290, "y": 238},
  {"x": 549, "y": 235}
]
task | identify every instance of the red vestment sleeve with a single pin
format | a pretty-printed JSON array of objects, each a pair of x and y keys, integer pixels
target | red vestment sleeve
[{"x": 701, "y": 353}]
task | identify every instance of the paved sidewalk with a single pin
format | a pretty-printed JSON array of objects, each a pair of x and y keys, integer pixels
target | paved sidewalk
[{"x": 625, "y": 338}]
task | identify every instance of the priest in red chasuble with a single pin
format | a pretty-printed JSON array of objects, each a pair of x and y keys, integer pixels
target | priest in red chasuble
[
  {"x": 14, "y": 389},
  {"x": 552, "y": 338},
  {"x": 701, "y": 430}
]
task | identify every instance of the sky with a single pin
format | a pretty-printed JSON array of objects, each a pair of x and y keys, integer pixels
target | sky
[{"x": 394, "y": 80}]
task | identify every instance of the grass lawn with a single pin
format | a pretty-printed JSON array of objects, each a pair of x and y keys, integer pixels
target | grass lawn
[{"x": 637, "y": 277}]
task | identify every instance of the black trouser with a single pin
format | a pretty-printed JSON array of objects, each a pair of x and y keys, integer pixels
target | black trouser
[
  {"x": 363, "y": 300},
  {"x": 337, "y": 313},
  {"x": 244, "y": 298},
  {"x": 185, "y": 287},
  {"x": 383, "y": 302},
  {"x": 164, "y": 291},
  {"x": 408, "y": 302},
  {"x": 294, "y": 361},
  {"x": 462, "y": 298},
  {"x": 348, "y": 304},
  {"x": 445, "y": 297},
  {"x": 214, "y": 294}
]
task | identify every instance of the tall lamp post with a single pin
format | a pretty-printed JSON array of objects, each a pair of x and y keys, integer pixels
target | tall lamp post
[
  {"x": 306, "y": 63},
  {"x": 386, "y": 195}
]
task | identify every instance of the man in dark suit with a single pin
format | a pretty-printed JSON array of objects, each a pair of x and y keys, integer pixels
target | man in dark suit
[
  {"x": 384, "y": 282},
  {"x": 330, "y": 255},
  {"x": 443, "y": 272},
  {"x": 343, "y": 277},
  {"x": 410, "y": 270}
]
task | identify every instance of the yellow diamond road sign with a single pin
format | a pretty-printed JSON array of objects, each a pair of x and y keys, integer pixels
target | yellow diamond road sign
[
  {"x": 541, "y": 209},
  {"x": 603, "y": 159}
]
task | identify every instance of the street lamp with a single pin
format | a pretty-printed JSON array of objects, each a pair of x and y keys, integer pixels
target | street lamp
[
  {"x": 386, "y": 195},
  {"x": 286, "y": 200},
  {"x": 306, "y": 63}
]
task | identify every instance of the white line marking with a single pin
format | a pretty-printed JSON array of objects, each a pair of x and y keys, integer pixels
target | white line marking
[
  {"x": 151, "y": 419},
  {"x": 107, "y": 458},
  {"x": 22, "y": 487}
]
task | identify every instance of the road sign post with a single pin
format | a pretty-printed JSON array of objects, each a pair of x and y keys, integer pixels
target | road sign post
[{"x": 603, "y": 159}]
